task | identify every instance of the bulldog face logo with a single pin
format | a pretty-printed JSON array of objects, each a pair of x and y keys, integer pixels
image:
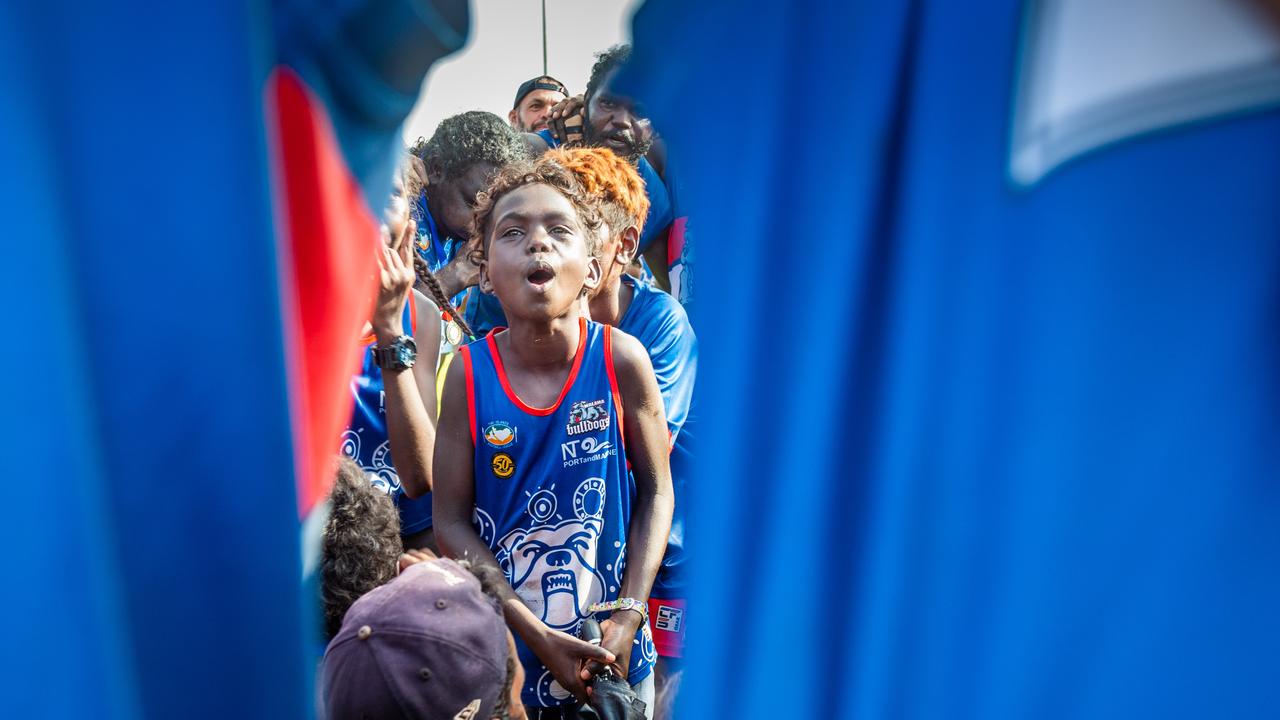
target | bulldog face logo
[
  {"x": 552, "y": 565},
  {"x": 553, "y": 570}
]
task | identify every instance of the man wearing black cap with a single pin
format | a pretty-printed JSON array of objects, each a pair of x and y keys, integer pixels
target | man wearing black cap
[{"x": 534, "y": 100}]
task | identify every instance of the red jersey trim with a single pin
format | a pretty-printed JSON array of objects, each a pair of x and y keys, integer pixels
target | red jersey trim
[
  {"x": 613, "y": 387},
  {"x": 568, "y": 382},
  {"x": 471, "y": 391}
]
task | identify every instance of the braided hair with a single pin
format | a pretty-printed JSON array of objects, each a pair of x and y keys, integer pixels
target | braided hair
[{"x": 429, "y": 281}]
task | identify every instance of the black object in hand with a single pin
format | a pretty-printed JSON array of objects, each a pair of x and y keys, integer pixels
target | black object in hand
[
  {"x": 611, "y": 697},
  {"x": 591, "y": 632}
]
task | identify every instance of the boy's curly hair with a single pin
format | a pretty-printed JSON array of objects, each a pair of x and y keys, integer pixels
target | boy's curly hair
[
  {"x": 609, "y": 179},
  {"x": 361, "y": 547},
  {"x": 466, "y": 139},
  {"x": 546, "y": 170}
]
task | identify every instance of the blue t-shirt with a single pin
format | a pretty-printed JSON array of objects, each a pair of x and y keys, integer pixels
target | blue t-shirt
[
  {"x": 660, "y": 209},
  {"x": 365, "y": 439},
  {"x": 482, "y": 312},
  {"x": 659, "y": 322},
  {"x": 553, "y": 495}
]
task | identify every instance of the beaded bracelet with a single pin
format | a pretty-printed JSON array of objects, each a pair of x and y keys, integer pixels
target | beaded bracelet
[{"x": 623, "y": 604}]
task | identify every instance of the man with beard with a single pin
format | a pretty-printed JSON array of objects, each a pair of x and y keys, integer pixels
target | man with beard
[
  {"x": 534, "y": 100},
  {"x": 615, "y": 121}
]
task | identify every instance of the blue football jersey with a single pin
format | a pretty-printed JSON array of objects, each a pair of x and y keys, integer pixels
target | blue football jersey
[
  {"x": 1033, "y": 456},
  {"x": 553, "y": 495}
]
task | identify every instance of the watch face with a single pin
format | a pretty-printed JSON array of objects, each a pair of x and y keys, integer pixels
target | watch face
[{"x": 405, "y": 355}]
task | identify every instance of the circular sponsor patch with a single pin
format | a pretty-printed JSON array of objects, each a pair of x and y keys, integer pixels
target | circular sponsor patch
[{"x": 503, "y": 466}]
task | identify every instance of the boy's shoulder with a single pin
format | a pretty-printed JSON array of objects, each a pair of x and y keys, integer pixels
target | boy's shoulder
[{"x": 654, "y": 315}]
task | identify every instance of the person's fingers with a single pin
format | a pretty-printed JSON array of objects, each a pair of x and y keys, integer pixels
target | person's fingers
[
  {"x": 594, "y": 652},
  {"x": 398, "y": 265},
  {"x": 384, "y": 264},
  {"x": 406, "y": 246}
]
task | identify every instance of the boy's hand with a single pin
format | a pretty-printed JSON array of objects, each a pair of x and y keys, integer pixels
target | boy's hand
[
  {"x": 459, "y": 274},
  {"x": 565, "y": 656},
  {"x": 415, "y": 556},
  {"x": 618, "y": 634},
  {"x": 395, "y": 279}
]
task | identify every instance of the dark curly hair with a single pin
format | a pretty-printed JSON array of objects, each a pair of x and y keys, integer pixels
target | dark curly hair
[
  {"x": 543, "y": 171},
  {"x": 606, "y": 60},
  {"x": 361, "y": 547},
  {"x": 463, "y": 140}
]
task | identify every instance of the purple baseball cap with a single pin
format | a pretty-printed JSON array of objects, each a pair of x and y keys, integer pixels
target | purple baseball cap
[{"x": 429, "y": 645}]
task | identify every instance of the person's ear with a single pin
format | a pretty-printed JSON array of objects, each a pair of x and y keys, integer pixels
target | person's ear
[
  {"x": 486, "y": 286},
  {"x": 630, "y": 246},
  {"x": 511, "y": 118},
  {"x": 435, "y": 171},
  {"x": 594, "y": 275}
]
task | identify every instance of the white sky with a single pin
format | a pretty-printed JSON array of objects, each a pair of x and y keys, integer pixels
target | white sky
[{"x": 505, "y": 49}]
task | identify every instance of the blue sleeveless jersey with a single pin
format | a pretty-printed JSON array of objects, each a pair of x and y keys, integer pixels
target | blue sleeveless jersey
[
  {"x": 365, "y": 439},
  {"x": 553, "y": 495}
]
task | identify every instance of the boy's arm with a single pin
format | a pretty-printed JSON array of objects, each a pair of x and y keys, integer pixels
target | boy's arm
[
  {"x": 645, "y": 433},
  {"x": 411, "y": 427},
  {"x": 459, "y": 273},
  {"x": 451, "y": 509}
]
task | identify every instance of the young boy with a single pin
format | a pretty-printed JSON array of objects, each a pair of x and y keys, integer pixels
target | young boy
[
  {"x": 538, "y": 426},
  {"x": 659, "y": 322}
]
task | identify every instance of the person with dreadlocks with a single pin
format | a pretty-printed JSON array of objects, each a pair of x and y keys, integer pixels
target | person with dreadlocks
[
  {"x": 457, "y": 162},
  {"x": 394, "y": 391},
  {"x": 539, "y": 423},
  {"x": 659, "y": 322}
]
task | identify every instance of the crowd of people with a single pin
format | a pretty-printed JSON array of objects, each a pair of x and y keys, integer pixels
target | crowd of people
[{"x": 505, "y": 536}]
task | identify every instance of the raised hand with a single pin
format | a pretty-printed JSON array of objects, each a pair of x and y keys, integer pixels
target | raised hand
[
  {"x": 565, "y": 120},
  {"x": 395, "y": 280}
]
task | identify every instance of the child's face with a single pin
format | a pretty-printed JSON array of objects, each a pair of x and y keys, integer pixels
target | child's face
[{"x": 537, "y": 262}]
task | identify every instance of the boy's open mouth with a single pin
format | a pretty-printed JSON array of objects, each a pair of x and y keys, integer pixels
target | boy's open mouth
[{"x": 541, "y": 275}]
